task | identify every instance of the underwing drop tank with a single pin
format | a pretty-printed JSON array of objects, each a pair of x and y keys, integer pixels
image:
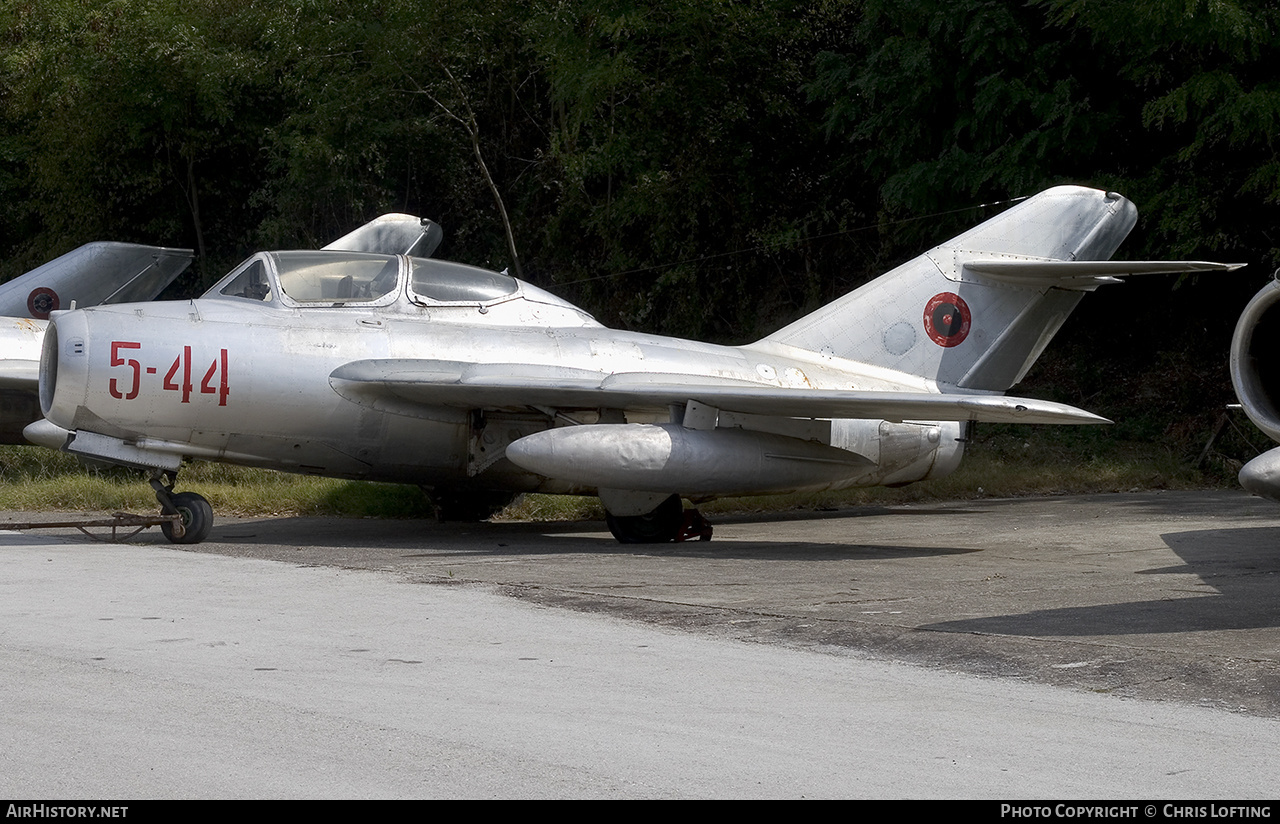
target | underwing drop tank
[{"x": 694, "y": 462}]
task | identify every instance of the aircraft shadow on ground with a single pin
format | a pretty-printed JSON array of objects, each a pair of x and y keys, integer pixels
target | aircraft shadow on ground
[
  {"x": 1242, "y": 564},
  {"x": 428, "y": 540}
]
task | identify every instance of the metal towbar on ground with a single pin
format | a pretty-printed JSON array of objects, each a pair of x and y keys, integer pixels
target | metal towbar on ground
[{"x": 118, "y": 521}]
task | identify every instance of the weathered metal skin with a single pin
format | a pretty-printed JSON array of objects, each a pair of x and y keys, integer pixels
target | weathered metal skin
[
  {"x": 1261, "y": 476},
  {"x": 20, "y": 340},
  {"x": 435, "y": 373},
  {"x": 663, "y": 457},
  {"x": 718, "y": 462},
  {"x": 93, "y": 273}
]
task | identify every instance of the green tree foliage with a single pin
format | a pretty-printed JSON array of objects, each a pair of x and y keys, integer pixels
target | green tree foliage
[
  {"x": 707, "y": 169},
  {"x": 1206, "y": 100},
  {"x": 946, "y": 101},
  {"x": 679, "y": 135},
  {"x": 384, "y": 101},
  {"x": 140, "y": 117}
]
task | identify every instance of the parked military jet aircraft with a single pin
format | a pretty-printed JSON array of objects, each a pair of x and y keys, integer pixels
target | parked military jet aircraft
[
  {"x": 477, "y": 385},
  {"x": 106, "y": 272},
  {"x": 1256, "y": 376}
]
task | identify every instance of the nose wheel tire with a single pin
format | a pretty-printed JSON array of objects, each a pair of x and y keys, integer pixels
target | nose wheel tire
[{"x": 197, "y": 518}]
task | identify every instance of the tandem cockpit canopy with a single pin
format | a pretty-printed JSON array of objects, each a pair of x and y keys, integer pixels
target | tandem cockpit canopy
[{"x": 309, "y": 278}]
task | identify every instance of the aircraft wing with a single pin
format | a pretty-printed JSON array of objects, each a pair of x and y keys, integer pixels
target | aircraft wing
[{"x": 412, "y": 386}]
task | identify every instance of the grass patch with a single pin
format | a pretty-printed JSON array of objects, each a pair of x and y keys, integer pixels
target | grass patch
[
  {"x": 542, "y": 508},
  {"x": 33, "y": 478}
]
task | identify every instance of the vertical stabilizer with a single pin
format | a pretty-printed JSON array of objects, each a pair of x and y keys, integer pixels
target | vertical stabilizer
[{"x": 935, "y": 316}]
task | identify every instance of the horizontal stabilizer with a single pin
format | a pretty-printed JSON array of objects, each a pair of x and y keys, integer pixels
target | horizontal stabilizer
[
  {"x": 402, "y": 385},
  {"x": 1085, "y": 274}
]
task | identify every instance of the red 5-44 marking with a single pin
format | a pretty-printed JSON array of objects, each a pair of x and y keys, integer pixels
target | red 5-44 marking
[
  {"x": 213, "y": 383},
  {"x": 118, "y": 360}
]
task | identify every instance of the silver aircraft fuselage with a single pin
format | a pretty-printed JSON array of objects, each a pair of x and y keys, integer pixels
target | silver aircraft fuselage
[
  {"x": 470, "y": 382},
  {"x": 259, "y": 382}
]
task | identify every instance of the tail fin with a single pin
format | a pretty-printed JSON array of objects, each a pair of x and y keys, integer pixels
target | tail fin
[
  {"x": 975, "y": 312},
  {"x": 102, "y": 272}
]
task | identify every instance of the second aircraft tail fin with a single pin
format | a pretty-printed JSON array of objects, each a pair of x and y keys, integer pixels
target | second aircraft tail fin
[{"x": 102, "y": 272}]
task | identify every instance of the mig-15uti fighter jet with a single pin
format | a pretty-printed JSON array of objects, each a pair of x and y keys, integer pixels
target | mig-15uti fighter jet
[{"x": 478, "y": 386}]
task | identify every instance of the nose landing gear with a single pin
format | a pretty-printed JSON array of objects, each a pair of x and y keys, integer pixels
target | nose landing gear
[{"x": 197, "y": 514}]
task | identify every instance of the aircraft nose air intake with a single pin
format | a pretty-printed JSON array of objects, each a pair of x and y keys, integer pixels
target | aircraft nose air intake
[
  {"x": 64, "y": 368},
  {"x": 1254, "y": 367},
  {"x": 48, "y": 368}
]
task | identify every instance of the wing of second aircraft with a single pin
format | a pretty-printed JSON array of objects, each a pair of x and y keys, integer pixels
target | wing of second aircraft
[{"x": 20, "y": 374}]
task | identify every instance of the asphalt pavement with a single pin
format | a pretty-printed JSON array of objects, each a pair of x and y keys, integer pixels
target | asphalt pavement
[{"x": 1107, "y": 646}]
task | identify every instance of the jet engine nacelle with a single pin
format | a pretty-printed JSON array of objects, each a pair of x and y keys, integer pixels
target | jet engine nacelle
[
  {"x": 98, "y": 365},
  {"x": 1255, "y": 372}
]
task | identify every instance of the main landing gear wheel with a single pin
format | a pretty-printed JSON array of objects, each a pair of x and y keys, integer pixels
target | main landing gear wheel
[{"x": 660, "y": 526}]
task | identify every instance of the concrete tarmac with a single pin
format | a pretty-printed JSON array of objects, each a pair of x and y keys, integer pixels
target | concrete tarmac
[{"x": 1114, "y": 646}]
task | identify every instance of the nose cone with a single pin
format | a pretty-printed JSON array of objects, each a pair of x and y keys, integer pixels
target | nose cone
[
  {"x": 1261, "y": 476},
  {"x": 43, "y": 433},
  {"x": 64, "y": 368}
]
